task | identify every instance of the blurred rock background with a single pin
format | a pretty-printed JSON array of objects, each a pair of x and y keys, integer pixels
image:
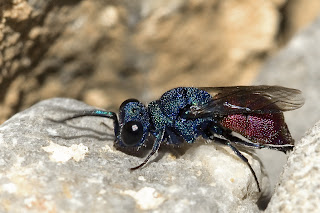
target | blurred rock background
[{"x": 103, "y": 52}]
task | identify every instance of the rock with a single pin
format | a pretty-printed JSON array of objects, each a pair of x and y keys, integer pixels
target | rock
[
  {"x": 299, "y": 189},
  {"x": 51, "y": 166}
]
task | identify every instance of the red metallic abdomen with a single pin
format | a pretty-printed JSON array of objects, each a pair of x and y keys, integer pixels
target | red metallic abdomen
[{"x": 260, "y": 128}]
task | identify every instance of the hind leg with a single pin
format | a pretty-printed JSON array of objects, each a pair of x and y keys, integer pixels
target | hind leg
[
  {"x": 220, "y": 138},
  {"x": 283, "y": 148}
]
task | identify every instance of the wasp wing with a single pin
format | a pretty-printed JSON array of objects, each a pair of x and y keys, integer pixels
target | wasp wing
[{"x": 248, "y": 99}]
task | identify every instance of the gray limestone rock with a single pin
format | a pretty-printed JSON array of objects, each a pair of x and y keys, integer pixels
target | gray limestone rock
[
  {"x": 299, "y": 189},
  {"x": 51, "y": 166}
]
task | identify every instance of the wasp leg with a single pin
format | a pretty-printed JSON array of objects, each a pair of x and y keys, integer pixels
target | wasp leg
[
  {"x": 155, "y": 148},
  {"x": 283, "y": 148},
  {"x": 243, "y": 158},
  {"x": 224, "y": 140}
]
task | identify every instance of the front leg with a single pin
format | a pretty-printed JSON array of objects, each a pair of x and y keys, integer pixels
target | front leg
[{"x": 159, "y": 138}]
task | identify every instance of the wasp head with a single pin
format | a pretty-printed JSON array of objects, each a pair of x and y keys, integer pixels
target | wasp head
[{"x": 134, "y": 124}]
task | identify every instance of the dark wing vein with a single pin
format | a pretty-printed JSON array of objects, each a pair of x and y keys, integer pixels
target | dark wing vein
[{"x": 249, "y": 99}]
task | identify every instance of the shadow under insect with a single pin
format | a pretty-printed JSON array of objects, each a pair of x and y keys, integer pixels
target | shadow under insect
[{"x": 98, "y": 135}]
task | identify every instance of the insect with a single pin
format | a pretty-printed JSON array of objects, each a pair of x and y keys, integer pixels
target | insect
[{"x": 183, "y": 114}]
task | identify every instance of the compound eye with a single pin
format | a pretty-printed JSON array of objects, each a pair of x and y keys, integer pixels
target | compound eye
[{"x": 132, "y": 133}]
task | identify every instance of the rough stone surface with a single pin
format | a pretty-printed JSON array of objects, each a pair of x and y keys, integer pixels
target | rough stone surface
[
  {"x": 299, "y": 189},
  {"x": 49, "y": 166},
  {"x": 103, "y": 52}
]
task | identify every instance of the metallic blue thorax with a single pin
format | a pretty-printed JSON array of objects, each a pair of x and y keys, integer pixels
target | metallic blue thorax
[{"x": 168, "y": 112}]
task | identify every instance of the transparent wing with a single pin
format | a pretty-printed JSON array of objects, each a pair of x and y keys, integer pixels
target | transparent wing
[{"x": 248, "y": 99}]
